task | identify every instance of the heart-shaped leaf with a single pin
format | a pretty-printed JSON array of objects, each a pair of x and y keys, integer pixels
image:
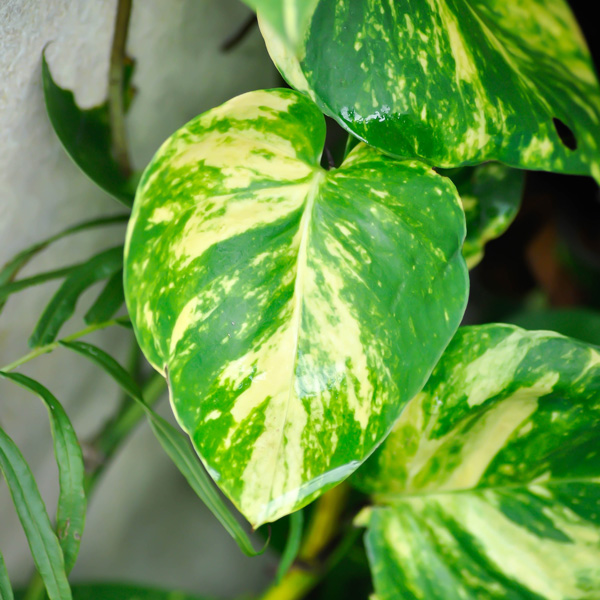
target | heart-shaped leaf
[
  {"x": 452, "y": 82},
  {"x": 295, "y": 310},
  {"x": 489, "y": 485}
]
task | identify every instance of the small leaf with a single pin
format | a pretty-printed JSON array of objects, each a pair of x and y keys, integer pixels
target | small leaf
[
  {"x": 22, "y": 284},
  {"x": 43, "y": 543},
  {"x": 86, "y": 136},
  {"x": 491, "y": 197},
  {"x": 292, "y": 546},
  {"x": 173, "y": 443},
  {"x": 489, "y": 485},
  {"x": 15, "y": 264},
  {"x": 295, "y": 309},
  {"x": 109, "y": 301},
  {"x": 6, "y": 592},
  {"x": 70, "y": 514},
  {"x": 62, "y": 305},
  {"x": 449, "y": 82}
]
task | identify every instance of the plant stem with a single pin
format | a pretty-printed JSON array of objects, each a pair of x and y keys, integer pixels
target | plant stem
[
  {"x": 308, "y": 568},
  {"x": 116, "y": 103},
  {"x": 53, "y": 345},
  {"x": 118, "y": 429}
]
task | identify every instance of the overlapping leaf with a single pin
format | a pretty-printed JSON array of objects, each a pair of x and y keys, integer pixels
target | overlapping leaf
[
  {"x": 71, "y": 509},
  {"x": 43, "y": 543},
  {"x": 86, "y": 136},
  {"x": 452, "y": 82},
  {"x": 489, "y": 485},
  {"x": 491, "y": 196},
  {"x": 295, "y": 310}
]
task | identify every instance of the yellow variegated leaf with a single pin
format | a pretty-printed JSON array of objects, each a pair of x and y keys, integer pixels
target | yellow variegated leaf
[
  {"x": 452, "y": 82},
  {"x": 295, "y": 310},
  {"x": 489, "y": 485}
]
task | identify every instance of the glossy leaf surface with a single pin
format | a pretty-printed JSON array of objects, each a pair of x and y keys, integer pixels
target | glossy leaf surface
[
  {"x": 452, "y": 82},
  {"x": 491, "y": 197},
  {"x": 43, "y": 543},
  {"x": 86, "y": 136},
  {"x": 489, "y": 485},
  {"x": 295, "y": 310},
  {"x": 72, "y": 503}
]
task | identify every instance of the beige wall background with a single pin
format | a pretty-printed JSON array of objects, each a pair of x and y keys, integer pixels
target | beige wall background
[{"x": 144, "y": 524}]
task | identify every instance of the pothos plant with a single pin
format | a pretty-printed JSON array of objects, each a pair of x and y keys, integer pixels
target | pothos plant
[{"x": 306, "y": 320}]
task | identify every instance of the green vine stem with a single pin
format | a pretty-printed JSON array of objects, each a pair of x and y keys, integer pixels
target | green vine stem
[
  {"x": 109, "y": 439},
  {"x": 116, "y": 103},
  {"x": 309, "y": 568},
  {"x": 47, "y": 348}
]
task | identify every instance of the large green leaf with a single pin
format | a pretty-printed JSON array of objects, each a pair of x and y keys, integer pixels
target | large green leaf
[
  {"x": 86, "y": 136},
  {"x": 452, "y": 82},
  {"x": 295, "y": 310},
  {"x": 491, "y": 197},
  {"x": 489, "y": 485}
]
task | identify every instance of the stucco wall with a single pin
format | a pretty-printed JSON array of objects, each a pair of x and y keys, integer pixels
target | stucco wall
[{"x": 143, "y": 523}]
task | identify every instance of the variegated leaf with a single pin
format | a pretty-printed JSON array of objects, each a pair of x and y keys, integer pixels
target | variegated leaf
[
  {"x": 489, "y": 485},
  {"x": 491, "y": 196},
  {"x": 452, "y": 82},
  {"x": 295, "y": 310}
]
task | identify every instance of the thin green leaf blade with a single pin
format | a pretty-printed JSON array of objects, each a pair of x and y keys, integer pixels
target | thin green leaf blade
[
  {"x": 72, "y": 503},
  {"x": 173, "y": 443},
  {"x": 13, "y": 287},
  {"x": 292, "y": 545},
  {"x": 86, "y": 136},
  {"x": 296, "y": 310},
  {"x": 14, "y": 265},
  {"x": 491, "y": 196},
  {"x": 109, "y": 301},
  {"x": 62, "y": 305},
  {"x": 43, "y": 543},
  {"x": 453, "y": 83},
  {"x": 121, "y": 591},
  {"x": 6, "y": 592},
  {"x": 489, "y": 485}
]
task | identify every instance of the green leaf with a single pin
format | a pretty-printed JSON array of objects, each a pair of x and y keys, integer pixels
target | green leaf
[
  {"x": 491, "y": 197},
  {"x": 70, "y": 514},
  {"x": 173, "y": 443},
  {"x": 580, "y": 323},
  {"x": 453, "y": 82},
  {"x": 292, "y": 545},
  {"x": 120, "y": 591},
  {"x": 86, "y": 136},
  {"x": 6, "y": 592},
  {"x": 43, "y": 543},
  {"x": 109, "y": 301},
  {"x": 295, "y": 310},
  {"x": 489, "y": 485},
  {"x": 10, "y": 270},
  {"x": 62, "y": 305},
  {"x": 22, "y": 284}
]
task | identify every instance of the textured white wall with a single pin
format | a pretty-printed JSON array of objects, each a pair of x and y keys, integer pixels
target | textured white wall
[{"x": 143, "y": 523}]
